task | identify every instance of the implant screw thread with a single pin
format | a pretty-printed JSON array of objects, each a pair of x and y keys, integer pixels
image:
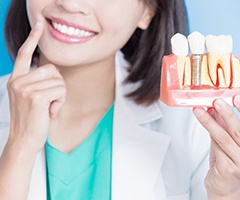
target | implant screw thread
[{"x": 196, "y": 62}]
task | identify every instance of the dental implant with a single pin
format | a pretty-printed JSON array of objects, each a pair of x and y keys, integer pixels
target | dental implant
[
  {"x": 197, "y": 44},
  {"x": 196, "y": 61}
]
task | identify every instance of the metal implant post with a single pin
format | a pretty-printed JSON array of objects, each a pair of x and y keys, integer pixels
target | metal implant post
[
  {"x": 197, "y": 44},
  {"x": 196, "y": 62}
]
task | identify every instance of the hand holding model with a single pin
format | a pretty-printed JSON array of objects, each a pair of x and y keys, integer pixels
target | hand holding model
[
  {"x": 223, "y": 179},
  {"x": 209, "y": 79}
]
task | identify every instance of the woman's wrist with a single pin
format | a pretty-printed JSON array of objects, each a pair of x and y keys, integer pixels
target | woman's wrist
[
  {"x": 20, "y": 150},
  {"x": 16, "y": 163}
]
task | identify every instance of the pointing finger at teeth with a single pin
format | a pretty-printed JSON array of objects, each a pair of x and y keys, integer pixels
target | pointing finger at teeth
[{"x": 25, "y": 53}]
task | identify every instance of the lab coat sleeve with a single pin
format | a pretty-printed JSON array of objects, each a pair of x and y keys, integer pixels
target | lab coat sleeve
[
  {"x": 200, "y": 159},
  {"x": 4, "y": 112}
]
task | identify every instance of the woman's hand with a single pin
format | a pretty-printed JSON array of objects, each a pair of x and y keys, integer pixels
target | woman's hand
[
  {"x": 35, "y": 96},
  {"x": 223, "y": 178}
]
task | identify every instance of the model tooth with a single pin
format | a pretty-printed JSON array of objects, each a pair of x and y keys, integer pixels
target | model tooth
[
  {"x": 236, "y": 72},
  {"x": 219, "y": 56},
  {"x": 180, "y": 49},
  {"x": 221, "y": 79},
  {"x": 225, "y": 44},
  {"x": 179, "y": 45},
  {"x": 220, "y": 45},
  {"x": 196, "y": 42},
  {"x": 211, "y": 44},
  {"x": 205, "y": 78},
  {"x": 187, "y": 72}
]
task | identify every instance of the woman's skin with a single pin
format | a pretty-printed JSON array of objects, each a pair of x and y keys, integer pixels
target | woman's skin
[{"x": 223, "y": 178}]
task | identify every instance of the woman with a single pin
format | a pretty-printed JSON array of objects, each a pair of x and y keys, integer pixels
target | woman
[{"x": 87, "y": 123}]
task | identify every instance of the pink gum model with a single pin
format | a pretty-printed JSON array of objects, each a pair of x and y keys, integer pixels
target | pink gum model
[{"x": 172, "y": 95}]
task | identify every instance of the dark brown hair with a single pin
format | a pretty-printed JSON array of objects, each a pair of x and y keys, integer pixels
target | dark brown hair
[{"x": 144, "y": 50}]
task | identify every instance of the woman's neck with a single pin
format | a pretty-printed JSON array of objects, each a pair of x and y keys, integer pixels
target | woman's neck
[{"x": 89, "y": 87}]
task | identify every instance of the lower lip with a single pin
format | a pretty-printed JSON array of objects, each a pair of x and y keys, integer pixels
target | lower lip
[{"x": 67, "y": 38}]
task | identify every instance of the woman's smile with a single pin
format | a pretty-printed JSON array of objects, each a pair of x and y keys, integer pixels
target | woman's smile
[
  {"x": 69, "y": 32},
  {"x": 83, "y": 32}
]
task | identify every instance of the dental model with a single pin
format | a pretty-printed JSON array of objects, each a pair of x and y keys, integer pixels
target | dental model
[{"x": 198, "y": 79}]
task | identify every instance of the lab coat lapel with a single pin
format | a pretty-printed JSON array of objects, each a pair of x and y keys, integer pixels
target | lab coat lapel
[
  {"x": 37, "y": 190},
  {"x": 138, "y": 152}
]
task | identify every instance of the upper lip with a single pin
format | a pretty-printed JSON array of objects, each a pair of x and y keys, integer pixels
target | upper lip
[{"x": 70, "y": 24}]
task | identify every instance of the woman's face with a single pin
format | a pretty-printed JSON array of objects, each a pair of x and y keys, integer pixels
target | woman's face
[{"x": 80, "y": 32}]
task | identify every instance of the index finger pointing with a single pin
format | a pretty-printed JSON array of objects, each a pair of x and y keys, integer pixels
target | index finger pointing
[{"x": 25, "y": 53}]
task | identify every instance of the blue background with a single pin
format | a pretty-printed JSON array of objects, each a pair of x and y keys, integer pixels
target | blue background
[
  {"x": 216, "y": 17},
  {"x": 5, "y": 62},
  {"x": 206, "y": 16}
]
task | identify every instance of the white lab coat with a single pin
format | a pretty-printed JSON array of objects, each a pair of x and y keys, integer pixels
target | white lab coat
[{"x": 159, "y": 153}]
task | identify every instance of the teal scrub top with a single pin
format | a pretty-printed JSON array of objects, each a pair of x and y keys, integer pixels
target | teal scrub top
[{"x": 85, "y": 173}]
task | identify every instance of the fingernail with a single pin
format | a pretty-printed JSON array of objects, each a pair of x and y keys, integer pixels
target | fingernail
[
  {"x": 220, "y": 103},
  {"x": 237, "y": 101},
  {"x": 38, "y": 25},
  {"x": 199, "y": 112}
]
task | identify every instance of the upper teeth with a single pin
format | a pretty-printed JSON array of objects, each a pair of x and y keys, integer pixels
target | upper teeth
[{"x": 71, "y": 30}]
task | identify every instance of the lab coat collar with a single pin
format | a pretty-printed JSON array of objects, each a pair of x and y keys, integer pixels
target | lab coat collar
[{"x": 138, "y": 152}]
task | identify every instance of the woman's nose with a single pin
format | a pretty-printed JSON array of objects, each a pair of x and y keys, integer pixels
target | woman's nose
[{"x": 75, "y": 6}]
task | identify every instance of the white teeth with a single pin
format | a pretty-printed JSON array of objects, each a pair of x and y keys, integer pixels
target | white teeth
[
  {"x": 63, "y": 29},
  {"x": 76, "y": 32},
  {"x": 196, "y": 42},
  {"x": 71, "y": 31},
  {"x": 180, "y": 49},
  {"x": 58, "y": 27},
  {"x": 220, "y": 45},
  {"x": 219, "y": 58},
  {"x": 54, "y": 25},
  {"x": 179, "y": 45}
]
